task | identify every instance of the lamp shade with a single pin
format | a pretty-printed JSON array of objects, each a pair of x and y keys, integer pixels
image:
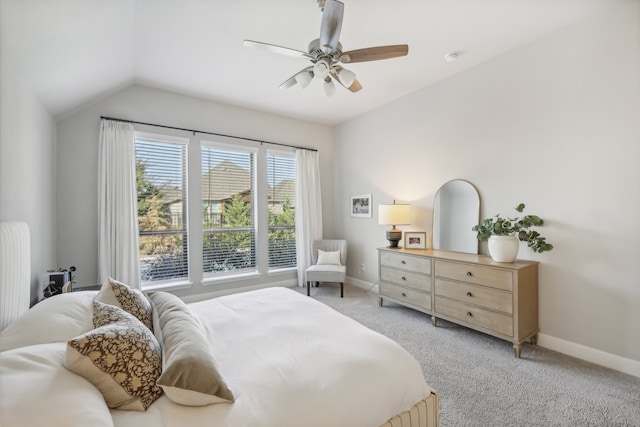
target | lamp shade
[
  {"x": 329, "y": 87},
  {"x": 394, "y": 214},
  {"x": 304, "y": 78},
  {"x": 346, "y": 77}
]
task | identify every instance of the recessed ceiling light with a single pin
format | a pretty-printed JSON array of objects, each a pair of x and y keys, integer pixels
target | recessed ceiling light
[{"x": 450, "y": 57}]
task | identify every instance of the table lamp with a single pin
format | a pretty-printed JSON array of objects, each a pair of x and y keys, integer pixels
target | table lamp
[{"x": 395, "y": 214}]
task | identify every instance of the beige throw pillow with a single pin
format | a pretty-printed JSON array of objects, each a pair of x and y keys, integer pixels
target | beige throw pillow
[
  {"x": 328, "y": 258},
  {"x": 121, "y": 357},
  {"x": 127, "y": 298},
  {"x": 190, "y": 374}
]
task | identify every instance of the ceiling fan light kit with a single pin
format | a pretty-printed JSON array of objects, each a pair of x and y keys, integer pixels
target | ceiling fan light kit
[
  {"x": 303, "y": 78},
  {"x": 325, "y": 53},
  {"x": 328, "y": 87}
]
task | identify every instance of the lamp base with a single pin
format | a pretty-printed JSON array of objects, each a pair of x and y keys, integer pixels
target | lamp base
[{"x": 394, "y": 236}]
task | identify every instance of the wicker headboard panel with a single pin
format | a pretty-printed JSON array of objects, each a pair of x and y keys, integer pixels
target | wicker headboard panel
[{"x": 15, "y": 271}]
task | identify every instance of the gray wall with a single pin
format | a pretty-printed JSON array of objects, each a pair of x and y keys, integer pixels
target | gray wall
[
  {"x": 78, "y": 153},
  {"x": 27, "y": 170},
  {"x": 555, "y": 125}
]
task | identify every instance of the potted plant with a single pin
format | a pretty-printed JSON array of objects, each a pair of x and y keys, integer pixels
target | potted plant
[{"x": 504, "y": 234}]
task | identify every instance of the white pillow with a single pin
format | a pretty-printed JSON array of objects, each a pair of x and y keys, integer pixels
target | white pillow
[
  {"x": 36, "y": 390},
  {"x": 328, "y": 258},
  {"x": 58, "y": 318}
]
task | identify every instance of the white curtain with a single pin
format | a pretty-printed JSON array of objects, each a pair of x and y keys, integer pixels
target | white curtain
[
  {"x": 117, "y": 204},
  {"x": 308, "y": 208}
]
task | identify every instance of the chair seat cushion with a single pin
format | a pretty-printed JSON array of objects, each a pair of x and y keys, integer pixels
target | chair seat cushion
[{"x": 326, "y": 273}]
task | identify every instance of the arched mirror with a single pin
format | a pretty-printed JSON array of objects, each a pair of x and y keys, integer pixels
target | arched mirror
[{"x": 456, "y": 209}]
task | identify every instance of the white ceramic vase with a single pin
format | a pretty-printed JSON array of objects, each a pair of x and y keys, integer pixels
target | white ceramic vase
[{"x": 503, "y": 248}]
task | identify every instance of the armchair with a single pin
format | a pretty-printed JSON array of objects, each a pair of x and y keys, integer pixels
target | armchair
[{"x": 329, "y": 258}]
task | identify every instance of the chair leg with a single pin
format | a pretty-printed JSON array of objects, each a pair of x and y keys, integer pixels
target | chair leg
[
  {"x": 341, "y": 289},
  {"x": 308, "y": 288}
]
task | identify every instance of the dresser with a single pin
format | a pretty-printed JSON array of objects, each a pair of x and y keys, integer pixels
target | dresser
[{"x": 499, "y": 299}]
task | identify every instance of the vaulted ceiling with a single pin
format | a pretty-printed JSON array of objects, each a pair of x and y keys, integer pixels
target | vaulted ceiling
[{"x": 69, "y": 52}]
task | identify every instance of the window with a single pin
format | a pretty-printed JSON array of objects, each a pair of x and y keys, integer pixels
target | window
[
  {"x": 228, "y": 194},
  {"x": 281, "y": 204},
  {"x": 233, "y": 214},
  {"x": 161, "y": 172}
]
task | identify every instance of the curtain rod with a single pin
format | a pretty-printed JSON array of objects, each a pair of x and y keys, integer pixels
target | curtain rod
[{"x": 208, "y": 133}]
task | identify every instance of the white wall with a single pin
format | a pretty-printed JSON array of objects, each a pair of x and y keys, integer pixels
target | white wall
[
  {"x": 555, "y": 125},
  {"x": 78, "y": 158},
  {"x": 27, "y": 162}
]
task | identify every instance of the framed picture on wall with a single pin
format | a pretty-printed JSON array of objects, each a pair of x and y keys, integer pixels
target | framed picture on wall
[
  {"x": 361, "y": 206},
  {"x": 415, "y": 240}
]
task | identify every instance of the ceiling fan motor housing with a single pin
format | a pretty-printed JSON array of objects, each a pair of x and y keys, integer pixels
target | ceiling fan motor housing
[{"x": 316, "y": 52}]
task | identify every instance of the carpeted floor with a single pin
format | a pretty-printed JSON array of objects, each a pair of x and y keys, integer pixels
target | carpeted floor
[{"x": 479, "y": 380}]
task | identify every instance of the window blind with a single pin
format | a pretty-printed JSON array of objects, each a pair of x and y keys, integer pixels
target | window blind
[
  {"x": 228, "y": 194},
  {"x": 281, "y": 204},
  {"x": 161, "y": 172}
]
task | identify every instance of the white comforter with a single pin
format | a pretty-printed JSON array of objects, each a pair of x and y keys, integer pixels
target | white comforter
[{"x": 290, "y": 361}]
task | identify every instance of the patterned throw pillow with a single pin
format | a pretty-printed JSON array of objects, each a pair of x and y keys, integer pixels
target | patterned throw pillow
[
  {"x": 127, "y": 298},
  {"x": 121, "y": 357}
]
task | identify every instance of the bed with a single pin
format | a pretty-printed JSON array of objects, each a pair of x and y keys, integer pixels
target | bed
[{"x": 279, "y": 358}]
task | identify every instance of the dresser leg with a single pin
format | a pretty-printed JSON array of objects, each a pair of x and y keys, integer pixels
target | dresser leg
[
  {"x": 380, "y": 301},
  {"x": 434, "y": 320},
  {"x": 517, "y": 348}
]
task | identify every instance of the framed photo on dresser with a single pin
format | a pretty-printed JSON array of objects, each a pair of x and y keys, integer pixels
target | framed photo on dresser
[{"x": 415, "y": 240}]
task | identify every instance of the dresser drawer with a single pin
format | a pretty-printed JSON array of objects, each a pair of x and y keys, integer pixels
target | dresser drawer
[
  {"x": 406, "y": 262},
  {"x": 471, "y": 294},
  {"x": 405, "y": 295},
  {"x": 476, "y": 274},
  {"x": 497, "y": 322},
  {"x": 406, "y": 278}
]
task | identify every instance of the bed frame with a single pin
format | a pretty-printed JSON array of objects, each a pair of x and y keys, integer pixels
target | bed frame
[
  {"x": 15, "y": 289},
  {"x": 15, "y": 271},
  {"x": 422, "y": 414}
]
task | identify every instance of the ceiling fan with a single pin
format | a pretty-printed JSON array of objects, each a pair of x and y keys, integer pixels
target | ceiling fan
[{"x": 325, "y": 53}]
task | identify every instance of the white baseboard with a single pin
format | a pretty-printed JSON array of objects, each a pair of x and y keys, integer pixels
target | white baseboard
[
  {"x": 590, "y": 354},
  {"x": 599, "y": 357},
  {"x": 367, "y": 286}
]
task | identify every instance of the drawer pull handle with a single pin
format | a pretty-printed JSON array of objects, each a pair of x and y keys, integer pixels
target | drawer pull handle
[
  {"x": 469, "y": 294},
  {"x": 403, "y": 294},
  {"x": 469, "y": 274},
  {"x": 403, "y": 262},
  {"x": 404, "y": 278},
  {"x": 469, "y": 314}
]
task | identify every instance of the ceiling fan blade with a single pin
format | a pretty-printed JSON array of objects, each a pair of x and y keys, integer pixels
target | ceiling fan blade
[
  {"x": 356, "y": 86},
  {"x": 374, "y": 53},
  {"x": 292, "y": 80},
  {"x": 331, "y": 25},
  {"x": 277, "y": 49}
]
